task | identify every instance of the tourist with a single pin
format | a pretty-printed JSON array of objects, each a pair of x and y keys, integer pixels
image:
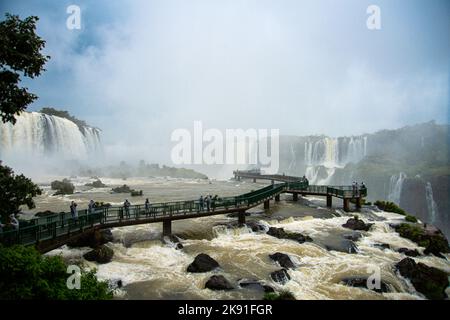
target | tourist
[
  {"x": 357, "y": 188},
  {"x": 147, "y": 207},
  {"x": 126, "y": 205},
  {"x": 200, "y": 203},
  {"x": 208, "y": 202},
  {"x": 91, "y": 207},
  {"x": 213, "y": 202},
  {"x": 73, "y": 210},
  {"x": 14, "y": 222}
]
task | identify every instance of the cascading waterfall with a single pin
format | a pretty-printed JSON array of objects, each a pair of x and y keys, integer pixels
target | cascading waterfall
[
  {"x": 395, "y": 187},
  {"x": 326, "y": 154},
  {"x": 38, "y": 134},
  {"x": 431, "y": 204}
]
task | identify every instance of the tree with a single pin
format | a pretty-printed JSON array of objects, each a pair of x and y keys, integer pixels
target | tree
[
  {"x": 20, "y": 48},
  {"x": 15, "y": 191},
  {"x": 26, "y": 274}
]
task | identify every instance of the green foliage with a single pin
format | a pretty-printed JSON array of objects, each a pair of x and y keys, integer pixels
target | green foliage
[
  {"x": 282, "y": 295},
  {"x": 26, "y": 274},
  {"x": 122, "y": 189},
  {"x": 410, "y": 218},
  {"x": 390, "y": 207},
  {"x": 64, "y": 114},
  {"x": 63, "y": 187},
  {"x": 19, "y": 52},
  {"x": 136, "y": 193},
  {"x": 15, "y": 191},
  {"x": 96, "y": 184}
]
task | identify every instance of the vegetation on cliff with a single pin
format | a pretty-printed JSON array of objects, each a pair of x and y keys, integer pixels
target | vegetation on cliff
[{"x": 62, "y": 187}]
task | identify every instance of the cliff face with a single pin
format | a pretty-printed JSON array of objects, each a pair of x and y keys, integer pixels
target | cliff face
[{"x": 408, "y": 166}]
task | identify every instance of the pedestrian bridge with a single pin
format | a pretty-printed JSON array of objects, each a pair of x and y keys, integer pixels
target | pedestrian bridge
[{"x": 51, "y": 232}]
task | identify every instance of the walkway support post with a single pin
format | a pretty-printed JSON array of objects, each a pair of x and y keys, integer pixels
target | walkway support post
[
  {"x": 295, "y": 196},
  {"x": 358, "y": 202},
  {"x": 267, "y": 204},
  {"x": 346, "y": 204},
  {"x": 241, "y": 217},
  {"x": 167, "y": 227},
  {"x": 254, "y": 180},
  {"x": 329, "y": 201},
  {"x": 277, "y": 198}
]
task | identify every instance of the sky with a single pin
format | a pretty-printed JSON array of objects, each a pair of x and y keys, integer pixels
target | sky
[{"x": 141, "y": 69}]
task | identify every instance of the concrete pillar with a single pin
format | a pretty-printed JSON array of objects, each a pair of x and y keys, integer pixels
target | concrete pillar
[
  {"x": 346, "y": 204},
  {"x": 167, "y": 227},
  {"x": 295, "y": 196},
  {"x": 277, "y": 198},
  {"x": 358, "y": 202},
  {"x": 267, "y": 204},
  {"x": 241, "y": 217},
  {"x": 329, "y": 201}
]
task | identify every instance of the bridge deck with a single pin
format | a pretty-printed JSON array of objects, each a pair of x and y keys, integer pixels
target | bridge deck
[{"x": 50, "y": 232}]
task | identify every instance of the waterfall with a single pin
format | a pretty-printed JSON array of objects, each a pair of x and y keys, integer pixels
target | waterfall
[
  {"x": 431, "y": 204},
  {"x": 38, "y": 134},
  {"x": 395, "y": 187},
  {"x": 331, "y": 153}
]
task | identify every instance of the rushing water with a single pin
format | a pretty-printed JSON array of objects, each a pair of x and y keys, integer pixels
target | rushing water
[
  {"x": 395, "y": 187},
  {"x": 38, "y": 134},
  {"x": 432, "y": 206},
  {"x": 152, "y": 269}
]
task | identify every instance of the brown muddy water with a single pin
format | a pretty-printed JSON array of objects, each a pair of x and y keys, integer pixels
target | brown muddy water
[{"x": 153, "y": 269}]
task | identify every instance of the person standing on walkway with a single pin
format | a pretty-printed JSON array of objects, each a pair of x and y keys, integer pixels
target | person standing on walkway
[
  {"x": 200, "y": 203},
  {"x": 147, "y": 207},
  {"x": 126, "y": 206},
  {"x": 91, "y": 207},
  {"x": 14, "y": 222},
  {"x": 208, "y": 202}
]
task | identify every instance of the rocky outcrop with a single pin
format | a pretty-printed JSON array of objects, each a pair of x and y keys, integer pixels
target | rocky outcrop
[
  {"x": 202, "y": 263},
  {"x": 409, "y": 252},
  {"x": 364, "y": 282},
  {"x": 102, "y": 254},
  {"x": 255, "y": 285},
  {"x": 354, "y": 236},
  {"x": 281, "y": 234},
  {"x": 344, "y": 245},
  {"x": 218, "y": 283},
  {"x": 92, "y": 239},
  {"x": 357, "y": 224},
  {"x": 280, "y": 276},
  {"x": 429, "y": 281},
  {"x": 255, "y": 226},
  {"x": 283, "y": 260}
]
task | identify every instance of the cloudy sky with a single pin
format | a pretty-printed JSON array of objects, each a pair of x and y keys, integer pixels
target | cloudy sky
[{"x": 140, "y": 69}]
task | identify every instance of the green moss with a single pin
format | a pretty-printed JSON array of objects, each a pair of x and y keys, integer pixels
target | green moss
[
  {"x": 389, "y": 207},
  {"x": 410, "y": 218}
]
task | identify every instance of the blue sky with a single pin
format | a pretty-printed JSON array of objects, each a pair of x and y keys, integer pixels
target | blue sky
[{"x": 144, "y": 68}]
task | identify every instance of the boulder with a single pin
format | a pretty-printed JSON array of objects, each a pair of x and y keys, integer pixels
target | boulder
[
  {"x": 429, "y": 281},
  {"x": 344, "y": 245},
  {"x": 281, "y": 234},
  {"x": 357, "y": 224},
  {"x": 354, "y": 236},
  {"x": 283, "y": 260},
  {"x": 382, "y": 246},
  {"x": 409, "y": 252},
  {"x": 255, "y": 285},
  {"x": 280, "y": 276},
  {"x": 102, "y": 254},
  {"x": 218, "y": 283},
  {"x": 361, "y": 282},
  {"x": 202, "y": 263},
  {"x": 255, "y": 226}
]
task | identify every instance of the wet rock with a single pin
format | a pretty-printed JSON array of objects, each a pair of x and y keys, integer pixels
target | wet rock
[
  {"x": 354, "y": 236},
  {"x": 429, "y": 281},
  {"x": 280, "y": 276},
  {"x": 255, "y": 226},
  {"x": 92, "y": 239},
  {"x": 283, "y": 260},
  {"x": 202, "y": 263},
  {"x": 255, "y": 285},
  {"x": 179, "y": 246},
  {"x": 409, "y": 252},
  {"x": 343, "y": 245},
  {"x": 362, "y": 282},
  {"x": 174, "y": 241},
  {"x": 102, "y": 254},
  {"x": 357, "y": 224},
  {"x": 281, "y": 234},
  {"x": 218, "y": 283},
  {"x": 268, "y": 289},
  {"x": 382, "y": 246}
]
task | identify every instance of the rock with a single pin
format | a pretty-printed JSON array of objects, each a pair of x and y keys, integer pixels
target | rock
[
  {"x": 92, "y": 239},
  {"x": 409, "y": 252},
  {"x": 202, "y": 263},
  {"x": 361, "y": 282},
  {"x": 255, "y": 285},
  {"x": 344, "y": 245},
  {"x": 429, "y": 281},
  {"x": 354, "y": 236},
  {"x": 382, "y": 246},
  {"x": 283, "y": 260},
  {"x": 102, "y": 254},
  {"x": 281, "y": 234},
  {"x": 357, "y": 224},
  {"x": 268, "y": 289},
  {"x": 280, "y": 276},
  {"x": 218, "y": 283},
  {"x": 255, "y": 226},
  {"x": 179, "y": 246}
]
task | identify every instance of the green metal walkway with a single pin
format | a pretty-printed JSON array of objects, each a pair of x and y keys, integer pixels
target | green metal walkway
[{"x": 48, "y": 233}]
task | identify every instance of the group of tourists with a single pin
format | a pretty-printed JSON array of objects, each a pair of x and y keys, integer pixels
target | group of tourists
[
  {"x": 208, "y": 202},
  {"x": 356, "y": 188}
]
